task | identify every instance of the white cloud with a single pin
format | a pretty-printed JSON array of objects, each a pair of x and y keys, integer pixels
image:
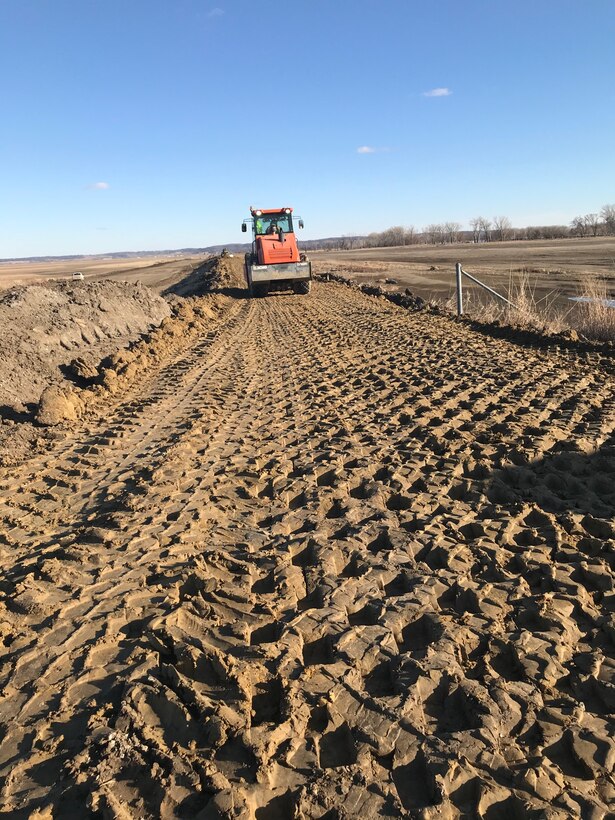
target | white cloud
[
  {"x": 371, "y": 149},
  {"x": 99, "y": 186},
  {"x": 216, "y": 12},
  {"x": 438, "y": 92}
]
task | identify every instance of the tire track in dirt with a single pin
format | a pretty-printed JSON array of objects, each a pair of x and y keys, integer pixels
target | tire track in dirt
[{"x": 340, "y": 559}]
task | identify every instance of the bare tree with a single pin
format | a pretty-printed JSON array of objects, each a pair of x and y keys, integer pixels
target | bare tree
[
  {"x": 398, "y": 235},
  {"x": 485, "y": 227},
  {"x": 579, "y": 226},
  {"x": 392, "y": 236},
  {"x": 432, "y": 232},
  {"x": 501, "y": 226},
  {"x": 592, "y": 223},
  {"x": 475, "y": 224},
  {"x": 410, "y": 238},
  {"x": 608, "y": 215},
  {"x": 451, "y": 231},
  {"x": 547, "y": 232}
]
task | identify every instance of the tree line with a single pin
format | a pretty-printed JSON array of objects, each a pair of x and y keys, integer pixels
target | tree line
[
  {"x": 482, "y": 229},
  {"x": 602, "y": 224}
]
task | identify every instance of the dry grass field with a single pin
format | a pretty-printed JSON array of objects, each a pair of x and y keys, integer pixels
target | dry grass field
[{"x": 553, "y": 270}]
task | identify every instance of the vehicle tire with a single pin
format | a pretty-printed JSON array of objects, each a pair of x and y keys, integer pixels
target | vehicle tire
[
  {"x": 304, "y": 287},
  {"x": 249, "y": 260}
]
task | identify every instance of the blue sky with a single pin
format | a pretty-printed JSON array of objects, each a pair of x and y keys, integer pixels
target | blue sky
[{"x": 148, "y": 124}]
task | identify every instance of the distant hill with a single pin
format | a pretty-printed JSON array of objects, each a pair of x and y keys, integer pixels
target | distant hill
[
  {"x": 233, "y": 247},
  {"x": 114, "y": 255}
]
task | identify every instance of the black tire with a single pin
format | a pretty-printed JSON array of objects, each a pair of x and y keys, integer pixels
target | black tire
[
  {"x": 256, "y": 289},
  {"x": 259, "y": 290},
  {"x": 303, "y": 287},
  {"x": 246, "y": 266}
]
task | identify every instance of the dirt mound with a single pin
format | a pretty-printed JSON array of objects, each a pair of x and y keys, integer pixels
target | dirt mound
[
  {"x": 217, "y": 273},
  {"x": 45, "y": 327},
  {"x": 58, "y": 405},
  {"x": 407, "y": 299}
]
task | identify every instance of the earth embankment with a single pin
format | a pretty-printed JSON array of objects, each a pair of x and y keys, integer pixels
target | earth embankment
[
  {"x": 43, "y": 327},
  {"x": 336, "y": 559}
]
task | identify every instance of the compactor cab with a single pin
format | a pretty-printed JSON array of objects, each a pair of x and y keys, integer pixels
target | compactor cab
[{"x": 275, "y": 262}]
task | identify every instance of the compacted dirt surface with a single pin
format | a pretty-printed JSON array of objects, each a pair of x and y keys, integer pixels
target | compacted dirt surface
[{"x": 334, "y": 559}]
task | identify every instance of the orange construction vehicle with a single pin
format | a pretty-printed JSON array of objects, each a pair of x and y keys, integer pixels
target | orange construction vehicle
[{"x": 275, "y": 262}]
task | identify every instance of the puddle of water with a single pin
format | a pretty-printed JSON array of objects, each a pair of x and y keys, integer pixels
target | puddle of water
[{"x": 606, "y": 302}]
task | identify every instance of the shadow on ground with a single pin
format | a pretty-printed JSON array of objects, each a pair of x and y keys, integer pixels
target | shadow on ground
[{"x": 564, "y": 481}]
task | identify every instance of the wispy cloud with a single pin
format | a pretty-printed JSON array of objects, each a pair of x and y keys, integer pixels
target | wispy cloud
[
  {"x": 371, "y": 149},
  {"x": 438, "y": 92},
  {"x": 99, "y": 186},
  {"x": 216, "y": 12}
]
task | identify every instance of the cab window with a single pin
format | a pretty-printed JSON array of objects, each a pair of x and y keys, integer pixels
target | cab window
[{"x": 272, "y": 223}]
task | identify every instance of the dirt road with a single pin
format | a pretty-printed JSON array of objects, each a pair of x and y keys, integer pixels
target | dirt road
[{"x": 336, "y": 560}]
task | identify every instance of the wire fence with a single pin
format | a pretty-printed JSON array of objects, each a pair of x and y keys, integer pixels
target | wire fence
[{"x": 460, "y": 273}]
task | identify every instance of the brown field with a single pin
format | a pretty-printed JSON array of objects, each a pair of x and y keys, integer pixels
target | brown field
[
  {"x": 153, "y": 271},
  {"x": 553, "y": 269}
]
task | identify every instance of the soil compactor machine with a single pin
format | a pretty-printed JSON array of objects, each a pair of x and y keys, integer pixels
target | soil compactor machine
[{"x": 275, "y": 262}]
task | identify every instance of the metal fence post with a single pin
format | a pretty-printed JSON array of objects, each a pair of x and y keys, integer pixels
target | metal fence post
[{"x": 460, "y": 273}]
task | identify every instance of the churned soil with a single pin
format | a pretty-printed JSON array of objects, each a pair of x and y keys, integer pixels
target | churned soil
[
  {"x": 325, "y": 557},
  {"x": 44, "y": 327},
  {"x": 52, "y": 338}
]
